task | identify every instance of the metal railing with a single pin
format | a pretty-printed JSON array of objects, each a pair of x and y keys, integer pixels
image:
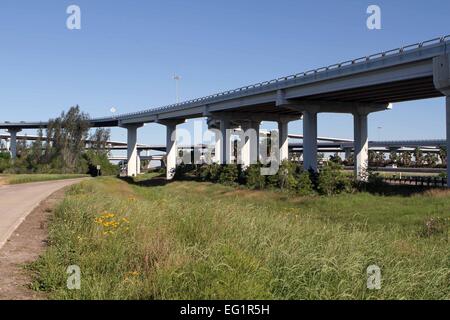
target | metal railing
[{"x": 417, "y": 181}]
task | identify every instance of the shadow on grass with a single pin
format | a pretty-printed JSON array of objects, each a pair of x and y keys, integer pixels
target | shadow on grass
[
  {"x": 157, "y": 181},
  {"x": 382, "y": 189},
  {"x": 397, "y": 190}
]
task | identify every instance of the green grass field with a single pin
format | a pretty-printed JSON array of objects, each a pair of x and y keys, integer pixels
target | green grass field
[
  {"x": 191, "y": 240},
  {"x": 26, "y": 178}
]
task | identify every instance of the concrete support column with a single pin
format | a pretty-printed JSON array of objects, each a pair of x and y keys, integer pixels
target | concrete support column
[
  {"x": 244, "y": 152},
  {"x": 7, "y": 144},
  {"x": 225, "y": 142},
  {"x": 171, "y": 150},
  {"x": 310, "y": 140},
  {"x": 257, "y": 126},
  {"x": 283, "y": 137},
  {"x": 361, "y": 146},
  {"x": 138, "y": 162},
  {"x": 447, "y": 116},
  {"x": 254, "y": 142},
  {"x": 250, "y": 143},
  {"x": 13, "y": 142},
  {"x": 217, "y": 147},
  {"x": 132, "y": 152}
]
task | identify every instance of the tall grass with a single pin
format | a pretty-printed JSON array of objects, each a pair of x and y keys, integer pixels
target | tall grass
[
  {"x": 26, "y": 178},
  {"x": 190, "y": 240}
]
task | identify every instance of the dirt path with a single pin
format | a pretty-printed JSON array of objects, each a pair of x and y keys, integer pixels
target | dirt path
[{"x": 24, "y": 246}]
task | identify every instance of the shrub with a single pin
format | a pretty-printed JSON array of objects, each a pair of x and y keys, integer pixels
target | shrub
[
  {"x": 210, "y": 172},
  {"x": 272, "y": 181},
  {"x": 203, "y": 173},
  {"x": 5, "y": 156},
  {"x": 304, "y": 184},
  {"x": 215, "y": 171},
  {"x": 287, "y": 179},
  {"x": 94, "y": 159},
  {"x": 332, "y": 180},
  {"x": 182, "y": 170},
  {"x": 5, "y": 161},
  {"x": 229, "y": 174},
  {"x": 253, "y": 177}
]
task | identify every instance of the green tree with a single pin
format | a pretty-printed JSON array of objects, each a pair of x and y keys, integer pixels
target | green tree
[
  {"x": 332, "y": 180},
  {"x": 393, "y": 157},
  {"x": 431, "y": 159},
  {"x": 418, "y": 157},
  {"x": 443, "y": 155},
  {"x": 67, "y": 135},
  {"x": 405, "y": 158}
]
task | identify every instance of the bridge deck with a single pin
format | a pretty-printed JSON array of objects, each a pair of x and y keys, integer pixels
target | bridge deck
[{"x": 392, "y": 76}]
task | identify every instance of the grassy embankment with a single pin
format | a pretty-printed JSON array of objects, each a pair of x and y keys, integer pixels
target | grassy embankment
[
  {"x": 26, "y": 178},
  {"x": 190, "y": 240}
]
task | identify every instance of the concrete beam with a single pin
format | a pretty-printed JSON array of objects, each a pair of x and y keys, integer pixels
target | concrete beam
[
  {"x": 335, "y": 106},
  {"x": 441, "y": 73},
  {"x": 242, "y": 117}
]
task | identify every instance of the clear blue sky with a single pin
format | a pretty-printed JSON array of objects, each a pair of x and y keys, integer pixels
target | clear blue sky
[{"x": 127, "y": 52}]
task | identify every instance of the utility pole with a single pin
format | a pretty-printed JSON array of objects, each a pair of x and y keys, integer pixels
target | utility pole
[{"x": 177, "y": 79}]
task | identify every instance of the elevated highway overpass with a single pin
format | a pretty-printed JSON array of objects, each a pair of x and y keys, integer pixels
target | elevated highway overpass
[{"x": 358, "y": 87}]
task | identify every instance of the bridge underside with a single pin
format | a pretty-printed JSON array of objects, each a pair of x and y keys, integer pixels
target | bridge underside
[{"x": 399, "y": 91}]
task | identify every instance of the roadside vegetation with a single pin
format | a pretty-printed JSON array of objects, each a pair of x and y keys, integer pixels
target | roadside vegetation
[
  {"x": 61, "y": 149},
  {"x": 402, "y": 159},
  {"x": 145, "y": 239},
  {"x": 291, "y": 178},
  {"x": 26, "y": 178}
]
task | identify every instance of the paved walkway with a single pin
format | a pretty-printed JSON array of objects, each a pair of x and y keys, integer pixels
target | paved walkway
[{"x": 17, "y": 201}]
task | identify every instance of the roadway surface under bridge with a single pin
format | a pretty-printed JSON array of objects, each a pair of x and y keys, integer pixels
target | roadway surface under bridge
[{"x": 17, "y": 201}]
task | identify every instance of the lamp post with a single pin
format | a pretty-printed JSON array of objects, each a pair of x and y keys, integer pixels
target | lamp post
[{"x": 177, "y": 79}]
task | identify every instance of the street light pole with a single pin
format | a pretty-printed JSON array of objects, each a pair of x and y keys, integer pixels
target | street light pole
[{"x": 177, "y": 79}]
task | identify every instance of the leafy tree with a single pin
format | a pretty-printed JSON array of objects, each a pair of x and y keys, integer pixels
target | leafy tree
[
  {"x": 304, "y": 184},
  {"x": 418, "y": 157},
  {"x": 431, "y": 159},
  {"x": 67, "y": 135},
  {"x": 405, "y": 158},
  {"x": 332, "y": 180},
  {"x": 229, "y": 174},
  {"x": 286, "y": 175},
  {"x": 336, "y": 158},
  {"x": 443, "y": 155},
  {"x": 99, "y": 139},
  {"x": 253, "y": 177},
  {"x": 393, "y": 156}
]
